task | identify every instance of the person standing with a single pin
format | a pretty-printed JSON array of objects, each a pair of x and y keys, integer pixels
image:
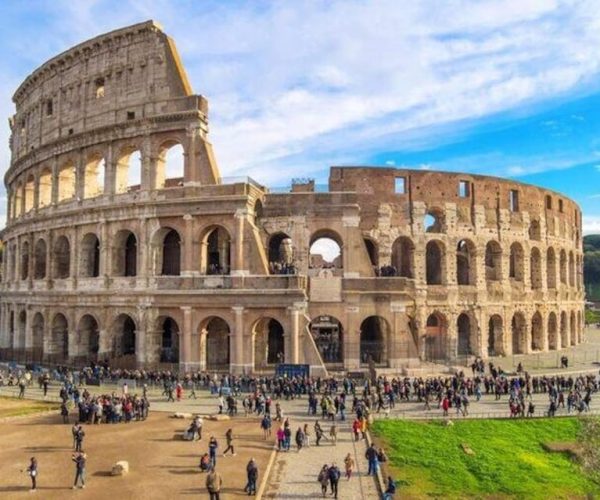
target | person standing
[
  {"x": 333, "y": 434},
  {"x": 318, "y": 432},
  {"x": 323, "y": 478},
  {"x": 252, "y": 475},
  {"x": 32, "y": 470},
  {"x": 213, "y": 445},
  {"x": 371, "y": 456},
  {"x": 79, "y": 438},
  {"x": 22, "y": 385},
  {"x": 213, "y": 484},
  {"x": 229, "y": 438},
  {"x": 79, "y": 459},
  {"x": 349, "y": 466},
  {"x": 299, "y": 438},
  {"x": 334, "y": 479}
]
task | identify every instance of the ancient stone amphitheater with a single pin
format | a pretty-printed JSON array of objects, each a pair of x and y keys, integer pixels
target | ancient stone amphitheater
[{"x": 116, "y": 249}]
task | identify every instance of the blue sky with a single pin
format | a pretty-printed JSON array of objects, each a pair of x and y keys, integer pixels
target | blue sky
[{"x": 508, "y": 88}]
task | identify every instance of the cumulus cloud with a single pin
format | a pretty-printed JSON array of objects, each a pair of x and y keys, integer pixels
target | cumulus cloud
[{"x": 591, "y": 224}]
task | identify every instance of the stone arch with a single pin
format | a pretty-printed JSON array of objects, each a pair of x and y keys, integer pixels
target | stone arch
[
  {"x": 215, "y": 252},
  {"x": 25, "y": 260},
  {"x": 326, "y": 250},
  {"x": 403, "y": 257},
  {"x": 59, "y": 338},
  {"x": 45, "y": 188},
  {"x": 61, "y": 258},
  {"x": 29, "y": 193},
  {"x": 169, "y": 165},
  {"x": 18, "y": 200},
  {"x": 535, "y": 232},
  {"x": 280, "y": 252},
  {"x": 535, "y": 268},
  {"x": 169, "y": 340},
  {"x": 493, "y": 261},
  {"x": 552, "y": 332},
  {"x": 434, "y": 220},
  {"x": 328, "y": 334},
  {"x": 88, "y": 338},
  {"x": 216, "y": 337},
  {"x": 128, "y": 172},
  {"x": 435, "y": 339},
  {"x": 37, "y": 335},
  {"x": 372, "y": 252},
  {"x": 516, "y": 263},
  {"x": 89, "y": 256},
  {"x": 466, "y": 265},
  {"x": 257, "y": 211},
  {"x": 21, "y": 330},
  {"x": 564, "y": 330},
  {"x": 573, "y": 328},
  {"x": 167, "y": 247},
  {"x": 269, "y": 342},
  {"x": 39, "y": 259},
  {"x": 66, "y": 182},
  {"x": 571, "y": 270},
  {"x": 125, "y": 254},
  {"x": 495, "y": 336},
  {"x": 537, "y": 332},
  {"x": 435, "y": 268},
  {"x": 466, "y": 326},
  {"x": 563, "y": 267},
  {"x": 551, "y": 268},
  {"x": 374, "y": 338},
  {"x": 519, "y": 333},
  {"x": 93, "y": 178},
  {"x": 124, "y": 335}
]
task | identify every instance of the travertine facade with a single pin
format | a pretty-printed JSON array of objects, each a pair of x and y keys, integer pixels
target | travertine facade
[{"x": 106, "y": 259}]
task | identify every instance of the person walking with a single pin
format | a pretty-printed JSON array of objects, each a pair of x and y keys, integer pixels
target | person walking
[
  {"x": 371, "y": 456},
  {"x": 214, "y": 481},
  {"x": 299, "y": 438},
  {"x": 318, "y": 432},
  {"x": 32, "y": 470},
  {"x": 349, "y": 466},
  {"x": 333, "y": 434},
  {"x": 229, "y": 438},
  {"x": 80, "y": 460},
  {"x": 252, "y": 476},
  {"x": 334, "y": 479},
  {"x": 213, "y": 445},
  {"x": 64, "y": 412},
  {"x": 323, "y": 478},
  {"x": 79, "y": 438}
]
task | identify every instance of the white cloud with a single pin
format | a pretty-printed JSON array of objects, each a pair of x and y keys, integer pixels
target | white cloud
[{"x": 591, "y": 224}]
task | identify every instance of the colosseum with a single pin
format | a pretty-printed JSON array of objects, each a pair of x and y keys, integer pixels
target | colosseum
[{"x": 124, "y": 243}]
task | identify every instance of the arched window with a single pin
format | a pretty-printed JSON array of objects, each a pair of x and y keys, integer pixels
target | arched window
[
  {"x": 61, "y": 258},
  {"x": 94, "y": 177},
  {"x": 58, "y": 347},
  {"x": 171, "y": 254},
  {"x": 519, "y": 334},
  {"x": 571, "y": 270},
  {"x": 467, "y": 335},
  {"x": 403, "y": 255},
  {"x": 217, "y": 344},
  {"x": 125, "y": 254},
  {"x": 88, "y": 344},
  {"x": 495, "y": 336},
  {"x": 435, "y": 337},
  {"x": 29, "y": 193},
  {"x": 573, "y": 329},
  {"x": 269, "y": 342},
  {"x": 535, "y": 232},
  {"x": 169, "y": 352},
  {"x": 123, "y": 333},
  {"x": 128, "y": 175},
  {"x": 434, "y": 263},
  {"x": 564, "y": 330},
  {"x": 434, "y": 221},
  {"x": 328, "y": 334},
  {"x": 66, "y": 182},
  {"x": 493, "y": 261},
  {"x": 37, "y": 334},
  {"x": 537, "y": 332},
  {"x": 18, "y": 201},
  {"x": 281, "y": 254},
  {"x": 24, "y": 260},
  {"x": 216, "y": 251},
  {"x": 552, "y": 332},
  {"x": 325, "y": 251},
  {"x": 169, "y": 167},
  {"x": 374, "y": 332},
  {"x": 551, "y": 268},
  {"x": 45, "y": 188},
  {"x": 465, "y": 263},
  {"x": 535, "y": 265},
  {"x": 89, "y": 264},
  {"x": 516, "y": 270},
  {"x": 563, "y": 267},
  {"x": 39, "y": 260}
]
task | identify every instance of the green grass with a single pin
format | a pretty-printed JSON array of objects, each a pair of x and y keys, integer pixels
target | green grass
[
  {"x": 509, "y": 462},
  {"x": 13, "y": 407}
]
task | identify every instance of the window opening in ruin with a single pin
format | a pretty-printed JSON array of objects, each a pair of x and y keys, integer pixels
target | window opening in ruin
[
  {"x": 269, "y": 343},
  {"x": 29, "y": 193},
  {"x": 564, "y": 331},
  {"x": 516, "y": 267},
  {"x": 218, "y": 344},
  {"x": 18, "y": 200},
  {"x": 94, "y": 177},
  {"x": 403, "y": 251},
  {"x": 90, "y": 256},
  {"x": 464, "y": 189},
  {"x": 37, "y": 334},
  {"x": 374, "y": 332},
  {"x": 400, "y": 185},
  {"x": 495, "y": 341},
  {"x": 66, "y": 182},
  {"x": 130, "y": 256},
  {"x": 435, "y": 338},
  {"x": 327, "y": 333},
  {"x": 325, "y": 253},
  {"x": 551, "y": 268},
  {"x": 560, "y": 206},
  {"x": 463, "y": 326},
  {"x": 537, "y": 332},
  {"x": 88, "y": 344},
  {"x": 573, "y": 329},
  {"x": 171, "y": 254},
  {"x": 281, "y": 254},
  {"x": 514, "y": 200},
  {"x": 71, "y": 131},
  {"x": 169, "y": 352},
  {"x": 465, "y": 263},
  {"x": 535, "y": 232},
  {"x": 129, "y": 172},
  {"x": 216, "y": 252},
  {"x": 99, "y": 88},
  {"x": 563, "y": 267},
  {"x": 519, "y": 334},
  {"x": 433, "y": 262},
  {"x": 45, "y": 188},
  {"x": 493, "y": 261},
  {"x": 62, "y": 258},
  {"x": 59, "y": 339},
  {"x": 535, "y": 263},
  {"x": 548, "y": 202},
  {"x": 49, "y": 107},
  {"x": 552, "y": 332},
  {"x": 123, "y": 334},
  {"x": 258, "y": 212},
  {"x": 39, "y": 260},
  {"x": 170, "y": 166},
  {"x": 131, "y": 115},
  {"x": 24, "y": 260},
  {"x": 433, "y": 222}
]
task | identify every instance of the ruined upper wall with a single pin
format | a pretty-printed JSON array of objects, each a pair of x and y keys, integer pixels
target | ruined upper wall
[{"x": 104, "y": 81}]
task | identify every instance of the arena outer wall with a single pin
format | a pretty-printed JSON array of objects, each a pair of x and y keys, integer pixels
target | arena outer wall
[{"x": 188, "y": 270}]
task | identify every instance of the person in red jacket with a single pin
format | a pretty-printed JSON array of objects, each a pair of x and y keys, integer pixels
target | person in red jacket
[
  {"x": 356, "y": 428},
  {"x": 445, "y": 405}
]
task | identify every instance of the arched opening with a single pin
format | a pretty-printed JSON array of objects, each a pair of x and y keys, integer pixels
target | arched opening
[
  {"x": 372, "y": 252},
  {"x": 434, "y": 221},
  {"x": 325, "y": 251},
  {"x": 328, "y": 335},
  {"x": 467, "y": 335},
  {"x": 573, "y": 329},
  {"x": 548, "y": 202},
  {"x": 571, "y": 270},
  {"x": 535, "y": 268},
  {"x": 88, "y": 343},
  {"x": 93, "y": 182},
  {"x": 21, "y": 330},
  {"x": 37, "y": 334},
  {"x": 465, "y": 263},
  {"x": 434, "y": 263},
  {"x": 516, "y": 267},
  {"x": 217, "y": 344},
  {"x": 403, "y": 255},
  {"x": 535, "y": 232},
  {"x": 552, "y": 332},
  {"x": 495, "y": 336},
  {"x": 435, "y": 348},
  {"x": 62, "y": 258},
  {"x": 29, "y": 193},
  {"x": 216, "y": 251},
  {"x": 170, "y": 165},
  {"x": 537, "y": 332},
  {"x": 171, "y": 254},
  {"x": 12, "y": 261},
  {"x": 374, "y": 333},
  {"x": 563, "y": 267},
  {"x": 89, "y": 263},
  {"x": 269, "y": 345},
  {"x": 564, "y": 330},
  {"x": 125, "y": 254},
  {"x": 128, "y": 174},
  {"x": 124, "y": 330},
  {"x": 281, "y": 254},
  {"x": 39, "y": 260},
  {"x": 25, "y": 260},
  {"x": 45, "y": 188},
  {"x": 18, "y": 201},
  {"x": 258, "y": 212},
  {"x": 66, "y": 182},
  {"x": 519, "y": 334},
  {"x": 59, "y": 338},
  {"x": 169, "y": 345},
  {"x": 493, "y": 261},
  {"x": 551, "y": 268}
]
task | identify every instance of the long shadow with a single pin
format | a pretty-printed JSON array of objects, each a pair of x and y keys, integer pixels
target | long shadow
[
  {"x": 9, "y": 489},
  {"x": 102, "y": 473},
  {"x": 47, "y": 449},
  {"x": 186, "y": 471}
]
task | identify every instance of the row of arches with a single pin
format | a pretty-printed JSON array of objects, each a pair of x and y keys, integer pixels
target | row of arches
[{"x": 67, "y": 181}]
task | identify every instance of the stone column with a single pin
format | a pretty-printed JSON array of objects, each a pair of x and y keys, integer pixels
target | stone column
[
  {"x": 141, "y": 337},
  {"x": 188, "y": 246},
  {"x": 238, "y": 264},
  {"x": 186, "y": 340},
  {"x": 294, "y": 336},
  {"x": 237, "y": 342},
  {"x": 351, "y": 338}
]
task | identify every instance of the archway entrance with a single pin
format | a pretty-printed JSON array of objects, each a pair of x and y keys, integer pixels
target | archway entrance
[
  {"x": 466, "y": 330},
  {"x": 89, "y": 338},
  {"x": 537, "y": 332},
  {"x": 495, "y": 338},
  {"x": 269, "y": 345},
  {"x": 169, "y": 351},
  {"x": 435, "y": 337},
  {"x": 217, "y": 344},
  {"x": 374, "y": 331},
  {"x": 519, "y": 334},
  {"x": 328, "y": 335},
  {"x": 552, "y": 332},
  {"x": 59, "y": 345},
  {"x": 124, "y": 336}
]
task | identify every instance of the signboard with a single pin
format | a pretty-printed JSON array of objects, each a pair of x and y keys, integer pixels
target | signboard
[{"x": 290, "y": 370}]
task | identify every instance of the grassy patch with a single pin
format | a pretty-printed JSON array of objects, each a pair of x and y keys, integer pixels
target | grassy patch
[
  {"x": 509, "y": 461},
  {"x": 12, "y": 407}
]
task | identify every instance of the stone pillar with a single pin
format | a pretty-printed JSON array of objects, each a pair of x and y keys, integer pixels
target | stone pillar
[
  {"x": 294, "y": 336},
  {"x": 110, "y": 170},
  {"x": 351, "y": 338},
  {"x": 237, "y": 342},
  {"x": 202, "y": 348},
  {"x": 186, "y": 340},
  {"x": 239, "y": 264},
  {"x": 188, "y": 246},
  {"x": 148, "y": 165},
  {"x": 80, "y": 176},
  {"x": 141, "y": 338}
]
